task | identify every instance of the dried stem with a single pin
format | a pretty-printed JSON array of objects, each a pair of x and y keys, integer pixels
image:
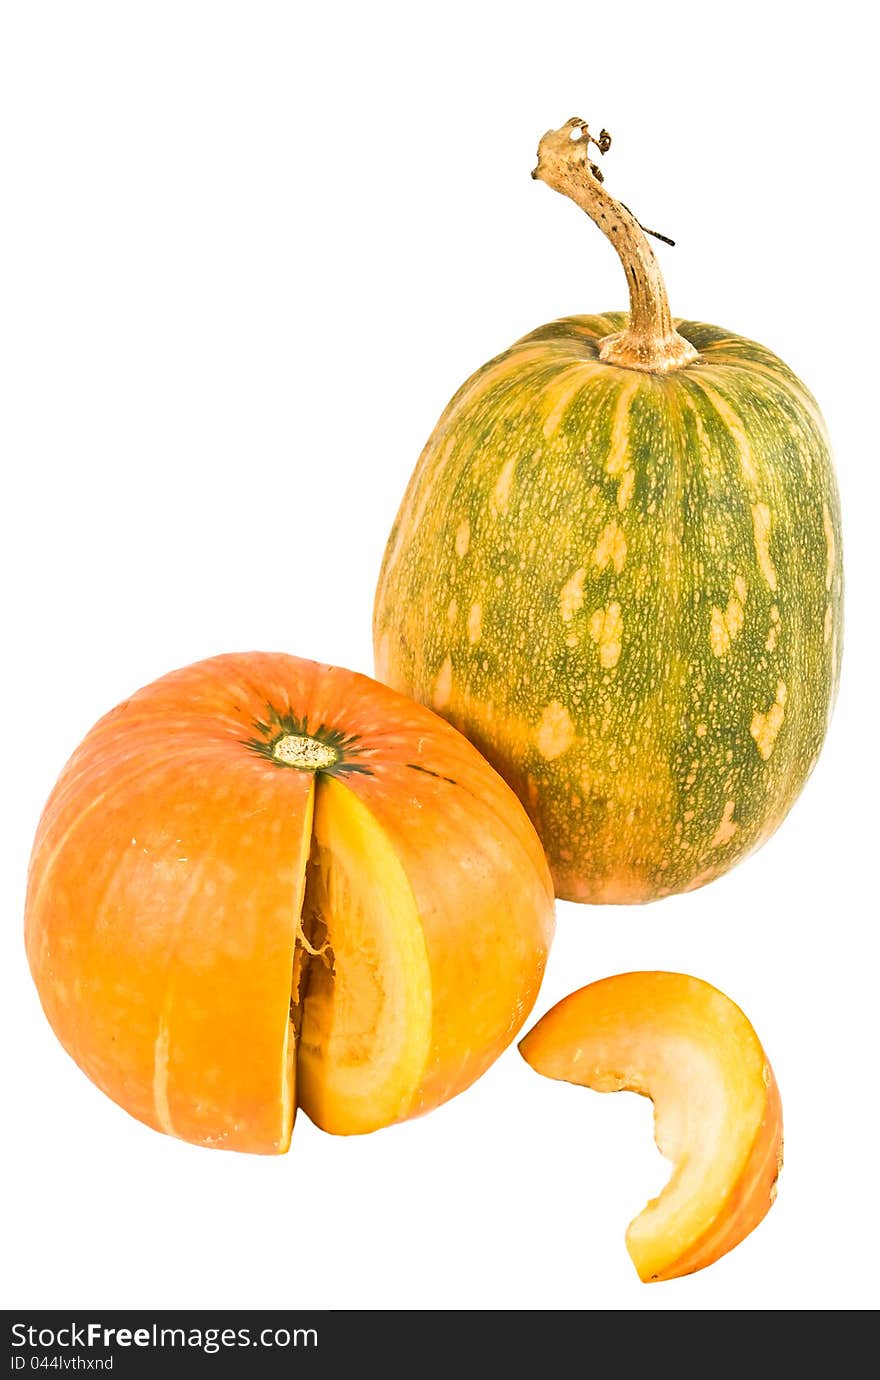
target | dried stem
[{"x": 650, "y": 341}]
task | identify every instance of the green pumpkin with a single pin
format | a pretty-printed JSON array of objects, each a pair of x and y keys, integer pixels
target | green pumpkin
[{"x": 617, "y": 569}]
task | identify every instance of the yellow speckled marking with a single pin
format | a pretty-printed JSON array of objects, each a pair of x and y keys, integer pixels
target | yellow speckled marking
[
  {"x": 733, "y": 424},
  {"x": 708, "y": 874},
  {"x": 829, "y": 621},
  {"x": 571, "y": 596},
  {"x": 726, "y": 624},
  {"x": 625, "y": 490},
  {"x": 503, "y": 485},
  {"x": 606, "y": 630},
  {"x": 719, "y": 637},
  {"x": 560, "y": 394},
  {"x": 765, "y": 728},
  {"x": 617, "y": 463},
  {"x": 610, "y": 548},
  {"x": 475, "y": 624},
  {"x": 773, "y": 630},
  {"x": 761, "y": 520},
  {"x": 555, "y": 733},
  {"x": 443, "y": 685},
  {"x": 727, "y": 826},
  {"x": 452, "y": 610},
  {"x": 707, "y": 454},
  {"x": 701, "y": 730},
  {"x": 618, "y": 449},
  {"x": 462, "y": 539},
  {"x": 828, "y": 527}
]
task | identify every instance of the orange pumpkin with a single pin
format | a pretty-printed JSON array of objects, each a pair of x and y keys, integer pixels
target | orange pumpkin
[{"x": 261, "y": 882}]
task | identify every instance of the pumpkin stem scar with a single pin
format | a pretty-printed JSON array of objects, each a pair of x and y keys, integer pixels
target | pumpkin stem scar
[
  {"x": 287, "y": 740},
  {"x": 309, "y": 754},
  {"x": 650, "y": 342}
]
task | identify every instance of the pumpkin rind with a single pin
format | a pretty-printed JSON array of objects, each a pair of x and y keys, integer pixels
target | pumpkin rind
[{"x": 626, "y": 589}]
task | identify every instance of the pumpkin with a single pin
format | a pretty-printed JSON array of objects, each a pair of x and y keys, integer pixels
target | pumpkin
[
  {"x": 262, "y": 882},
  {"x": 717, "y": 1110},
  {"x": 617, "y": 569}
]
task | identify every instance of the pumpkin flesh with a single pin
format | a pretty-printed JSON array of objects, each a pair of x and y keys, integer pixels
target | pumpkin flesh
[
  {"x": 717, "y": 1110},
  {"x": 366, "y": 1006}
]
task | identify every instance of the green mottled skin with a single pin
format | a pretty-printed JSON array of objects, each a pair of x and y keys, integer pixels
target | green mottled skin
[{"x": 646, "y": 766}]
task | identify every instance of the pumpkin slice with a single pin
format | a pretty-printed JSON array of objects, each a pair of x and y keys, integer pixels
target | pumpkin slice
[
  {"x": 717, "y": 1112},
  {"x": 365, "y": 991}
]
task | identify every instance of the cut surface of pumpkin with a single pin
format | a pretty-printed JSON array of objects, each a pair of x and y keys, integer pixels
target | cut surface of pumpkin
[
  {"x": 717, "y": 1111},
  {"x": 365, "y": 1028}
]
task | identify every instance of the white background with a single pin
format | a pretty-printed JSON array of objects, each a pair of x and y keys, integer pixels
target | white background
[{"x": 248, "y": 252}]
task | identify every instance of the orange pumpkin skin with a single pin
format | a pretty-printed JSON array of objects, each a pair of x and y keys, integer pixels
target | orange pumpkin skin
[{"x": 168, "y": 876}]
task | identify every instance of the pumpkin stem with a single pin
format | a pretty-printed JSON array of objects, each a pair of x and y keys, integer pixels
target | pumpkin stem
[{"x": 650, "y": 342}]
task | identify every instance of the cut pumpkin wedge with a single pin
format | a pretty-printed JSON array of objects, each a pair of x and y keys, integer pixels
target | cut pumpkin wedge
[
  {"x": 717, "y": 1111},
  {"x": 365, "y": 1031}
]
